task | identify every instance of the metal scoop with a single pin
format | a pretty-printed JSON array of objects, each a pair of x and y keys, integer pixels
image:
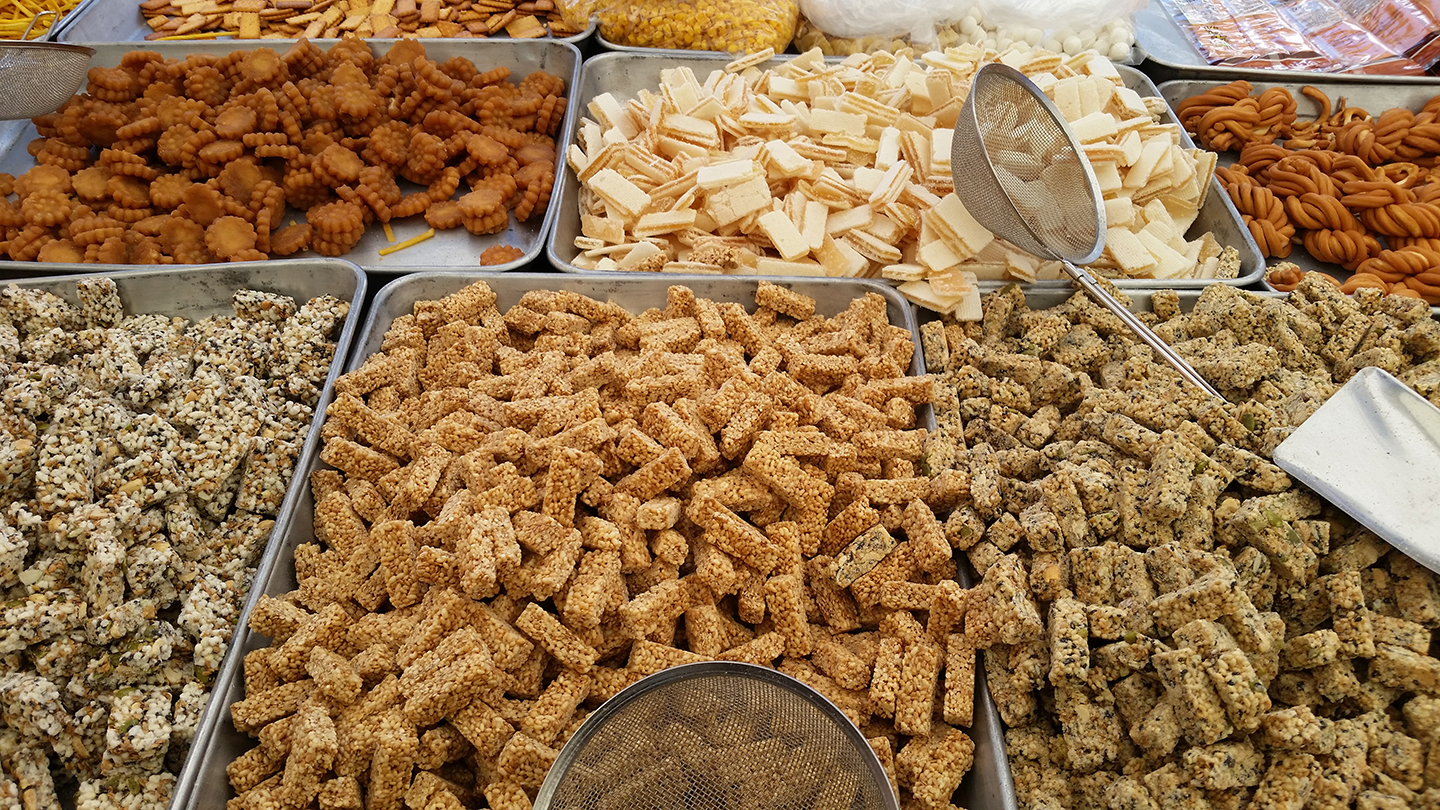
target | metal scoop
[
  {"x": 39, "y": 76},
  {"x": 1373, "y": 450},
  {"x": 1018, "y": 169}
]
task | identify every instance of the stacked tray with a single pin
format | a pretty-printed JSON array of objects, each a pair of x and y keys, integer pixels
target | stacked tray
[
  {"x": 449, "y": 249},
  {"x": 624, "y": 74},
  {"x": 199, "y": 292},
  {"x": 987, "y": 785}
]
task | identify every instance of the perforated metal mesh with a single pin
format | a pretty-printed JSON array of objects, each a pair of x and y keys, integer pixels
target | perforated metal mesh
[
  {"x": 39, "y": 76},
  {"x": 1019, "y": 172},
  {"x": 717, "y": 736}
]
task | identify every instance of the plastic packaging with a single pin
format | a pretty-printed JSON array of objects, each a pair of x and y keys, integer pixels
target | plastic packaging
[
  {"x": 1246, "y": 34},
  {"x": 843, "y": 27},
  {"x": 1409, "y": 28},
  {"x": 733, "y": 26},
  {"x": 1058, "y": 15},
  {"x": 912, "y": 19},
  {"x": 1386, "y": 37},
  {"x": 1344, "y": 40}
]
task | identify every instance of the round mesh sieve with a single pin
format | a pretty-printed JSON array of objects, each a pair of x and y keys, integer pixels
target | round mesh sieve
[
  {"x": 712, "y": 736},
  {"x": 39, "y": 76},
  {"x": 1019, "y": 172}
]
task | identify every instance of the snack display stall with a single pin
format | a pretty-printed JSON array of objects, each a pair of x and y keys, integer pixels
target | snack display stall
[{"x": 472, "y": 381}]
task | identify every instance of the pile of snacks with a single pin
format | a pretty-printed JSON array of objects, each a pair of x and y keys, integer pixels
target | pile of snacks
[
  {"x": 1113, "y": 40},
  {"x": 196, "y": 160},
  {"x": 1168, "y": 620},
  {"x": 815, "y": 168},
  {"x": 381, "y": 19},
  {"x": 729, "y": 26},
  {"x": 531, "y": 511},
  {"x": 1337, "y": 184},
  {"x": 143, "y": 460}
]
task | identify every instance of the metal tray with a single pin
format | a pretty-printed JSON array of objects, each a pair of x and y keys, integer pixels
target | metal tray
[
  {"x": 627, "y": 73},
  {"x": 121, "y": 20},
  {"x": 1168, "y": 49},
  {"x": 201, "y": 291},
  {"x": 1374, "y": 96},
  {"x": 451, "y": 249},
  {"x": 987, "y": 785}
]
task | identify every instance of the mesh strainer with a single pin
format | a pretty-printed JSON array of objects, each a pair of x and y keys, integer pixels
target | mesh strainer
[
  {"x": 713, "y": 736},
  {"x": 39, "y": 76},
  {"x": 1019, "y": 172}
]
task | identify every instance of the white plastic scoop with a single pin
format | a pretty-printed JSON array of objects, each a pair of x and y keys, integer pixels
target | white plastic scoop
[{"x": 1373, "y": 450}]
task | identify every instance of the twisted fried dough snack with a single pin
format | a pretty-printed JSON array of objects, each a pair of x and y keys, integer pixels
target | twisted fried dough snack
[
  {"x": 1340, "y": 180},
  {"x": 1345, "y": 248},
  {"x": 1262, "y": 213}
]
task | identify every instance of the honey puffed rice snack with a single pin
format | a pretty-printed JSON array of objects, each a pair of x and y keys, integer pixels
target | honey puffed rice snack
[
  {"x": 1167, "y": 619},
  {"x": 528, "y": 511},
  {"x": 143, "y": 463}
]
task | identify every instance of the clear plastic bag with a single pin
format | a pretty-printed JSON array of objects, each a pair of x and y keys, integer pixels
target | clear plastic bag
[
  {"x": 911, "y": 20},
  {"x": 733, "y": 26},
  {"x": 1057, "y": 15},
  {"x": 861, "y": 26},
  {"x": 1409, "y": 28},
  {"x": 1385, "y": 37},
  {"x": 1246, "y": 33},
  {"x": 1344, "y": 40}
]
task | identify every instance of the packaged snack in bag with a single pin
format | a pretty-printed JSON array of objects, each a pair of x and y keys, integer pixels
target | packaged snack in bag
[
  {"x": 733, "y": 26},
  {"x": 1344, "y": 40},
  {"x": 1406, "y": 27},
  {"x": 1246, "y": 33}
]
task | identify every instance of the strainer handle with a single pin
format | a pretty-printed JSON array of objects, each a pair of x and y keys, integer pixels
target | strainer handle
[
  {"x": 49, "y": 12},
  {"x": 1145, "y": 333}
]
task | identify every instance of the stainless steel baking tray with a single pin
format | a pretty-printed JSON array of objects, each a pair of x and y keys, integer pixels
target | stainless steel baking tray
[
  {"x": 121, "y": 20},
  {"x": 625, "y": 74},
  {"x": 1373, "y": 96},
  {"x": 198, "y": 292},
  {"x": 451, "y": 249},
  {"x": 1167, "y": 47},
  {"x": 987, "y": 785}
]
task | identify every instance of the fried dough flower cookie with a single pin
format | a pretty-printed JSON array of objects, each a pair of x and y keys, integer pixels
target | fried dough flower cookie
[{"x": 197, "y": 159}]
